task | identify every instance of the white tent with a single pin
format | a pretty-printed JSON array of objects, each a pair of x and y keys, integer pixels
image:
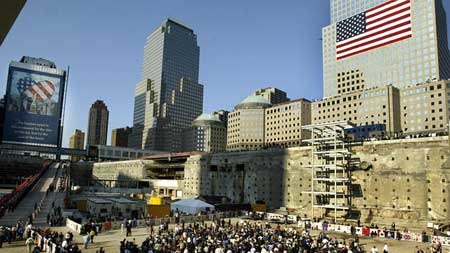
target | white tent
[{"x": 190, "y": 206}]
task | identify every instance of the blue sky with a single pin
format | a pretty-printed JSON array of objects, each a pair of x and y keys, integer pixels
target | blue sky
[{"x": 244, "y": 45}]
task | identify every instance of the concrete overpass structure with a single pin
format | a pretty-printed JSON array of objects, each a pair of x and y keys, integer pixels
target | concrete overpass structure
[
  {"x": 42, "y": 149},
  {"x": 9, "y": 10}
]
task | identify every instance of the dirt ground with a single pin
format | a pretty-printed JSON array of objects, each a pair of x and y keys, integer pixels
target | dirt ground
[{"x": 110, "y": 241}]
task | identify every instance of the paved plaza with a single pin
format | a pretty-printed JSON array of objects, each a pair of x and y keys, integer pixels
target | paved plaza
[{"x": 110, "y": 241}]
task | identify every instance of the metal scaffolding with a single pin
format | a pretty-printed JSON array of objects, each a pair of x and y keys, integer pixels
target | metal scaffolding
[{"x": 330, "y": 174}]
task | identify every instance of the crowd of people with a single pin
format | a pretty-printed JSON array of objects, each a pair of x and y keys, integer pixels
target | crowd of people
[
  {"x": 19, "y": 231},
  {"x": 63, "y": 242},
  {"x": 223, "y": 237},
  {"x": 54, "y": 216},
  {"x": 29, "y": 234}
]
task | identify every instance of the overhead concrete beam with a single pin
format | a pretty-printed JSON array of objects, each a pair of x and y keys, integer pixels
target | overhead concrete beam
[{"x": 9, "y": 10}]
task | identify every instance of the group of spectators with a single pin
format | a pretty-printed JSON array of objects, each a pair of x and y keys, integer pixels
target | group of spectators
[
  {"x": 224, "y": 237},
  {"x": 54, "y": 216},
  {"x": 37, "y": 240},
  {"x": 51, "y": 241},
  {"x": 19, "y": 231}
]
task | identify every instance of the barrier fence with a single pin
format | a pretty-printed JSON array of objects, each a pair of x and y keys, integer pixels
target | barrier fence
[
  {"x": 114, "y": 225},
  {"x": 14, "y": 198},
  {"x": 366, "y": 231},
  {"x": 44, "y": 244}
]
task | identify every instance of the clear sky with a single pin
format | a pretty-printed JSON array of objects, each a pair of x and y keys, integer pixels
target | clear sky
[{"x": 244, "y": 45}]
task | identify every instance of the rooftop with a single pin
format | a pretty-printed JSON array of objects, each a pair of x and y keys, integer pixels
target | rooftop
[
  {"x": 253, "y": 101},
  {"x": 178, "y": 23},
  {"x": 208, "y": 117}
]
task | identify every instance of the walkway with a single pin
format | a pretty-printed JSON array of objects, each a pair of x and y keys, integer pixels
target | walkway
[
  {"x": 26, "y": 206},
  {"x": 55, "y": 197}
]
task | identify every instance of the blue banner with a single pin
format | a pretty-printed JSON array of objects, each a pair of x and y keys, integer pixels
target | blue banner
[{"x": 33, "y": 107}]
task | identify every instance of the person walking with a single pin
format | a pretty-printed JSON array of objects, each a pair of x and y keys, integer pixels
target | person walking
[
  {"x": 92, "y": 234},
  {"x": 29, "y": 244},
  {"x": 374, "y": 249},
  {"x": 2, "y": 236},
  {"x": 86, "y": 240},
  {"x": 385, "y": 248}
]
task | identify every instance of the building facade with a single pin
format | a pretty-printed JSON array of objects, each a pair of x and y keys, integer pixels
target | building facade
[
  {"x": 76, "y": 141},
  {"x": 207, "y": 133},
  {"x": 120, "y": 136},
  {"x": 274, "y": 95},
  {"x": 246, "y": 124},
  {"x": 284, "y": 121},
  {"x": 425, "y": 108},
  {"x": 416, "y": 109},
  {"x": 98, "y": 124},
  {"x": 169, "y": 98},
  {"x": 223, "y": 116},
  {"x": 342, "y": 9},
  {"x": 424, "y": 55},
  {"x": 376, "y": 105}
]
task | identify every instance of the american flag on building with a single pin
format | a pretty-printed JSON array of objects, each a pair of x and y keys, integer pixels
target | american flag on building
[{"x": 382, "y": 25}]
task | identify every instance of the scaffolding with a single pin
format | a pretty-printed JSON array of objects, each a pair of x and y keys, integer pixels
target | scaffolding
[{"x": 330, "y": 173}]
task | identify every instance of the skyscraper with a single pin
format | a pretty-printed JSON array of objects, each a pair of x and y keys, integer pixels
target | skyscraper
[
  {"x": 207, "y": 133},
  {"x": 98, "y": 124},
  {"x": 169, "y": 96},
  {"x": 342, "y": 9},
  {"x": 376, "y": 43},
  {"x": 76, "y": 141},
  {"x": 119, "y": 136}
]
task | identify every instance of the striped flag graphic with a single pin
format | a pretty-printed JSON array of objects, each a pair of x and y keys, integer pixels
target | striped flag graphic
[
  {"x": 382, "y": 25},
  {"x": 42, "y": 90}
]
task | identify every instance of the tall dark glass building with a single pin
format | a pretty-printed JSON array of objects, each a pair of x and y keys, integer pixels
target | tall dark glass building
[
  {"x": 169, "y": 96},
  {"x": 98, "y": 124}
]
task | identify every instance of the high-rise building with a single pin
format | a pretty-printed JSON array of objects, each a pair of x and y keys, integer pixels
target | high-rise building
[
  {"x": 342, "y": 9},
  {"x": 415, "y": 109},
  {"x": 119, "y": 136},
  {"x": 255, "y": 123},
  {"x": 246, "y": 124},
  {"x": 207, "y": 133},
  {"x": 76, "y": 141},
  {"x": 169, "y": 96},
  {"x": 284, "y": 121},
  {"x": 98, "y": 124},
  {"x": 368, "y": 107},
  {"x": 376, "y": 43},
  {"x": 274, "y": 95}
]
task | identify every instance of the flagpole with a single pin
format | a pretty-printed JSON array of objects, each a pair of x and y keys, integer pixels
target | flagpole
[{"x": 63, "y": 108}]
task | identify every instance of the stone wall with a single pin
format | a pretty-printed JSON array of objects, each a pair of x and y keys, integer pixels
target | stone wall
[
  {"x": 121, "y": 171},
  {"x": 407, "y": 179}
]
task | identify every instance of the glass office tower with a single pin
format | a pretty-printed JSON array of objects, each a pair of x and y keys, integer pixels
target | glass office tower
[
  {"x": 169, "y": 96},
  {"x": 424, "y": 56},
  {"x": 342, "y": 9}
]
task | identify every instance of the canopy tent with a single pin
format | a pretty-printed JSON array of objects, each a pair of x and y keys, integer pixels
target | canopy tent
[{"x": 190, "y": 206}]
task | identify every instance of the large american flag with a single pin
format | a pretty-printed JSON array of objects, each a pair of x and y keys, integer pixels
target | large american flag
[{"x": 379, "y": 26}]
